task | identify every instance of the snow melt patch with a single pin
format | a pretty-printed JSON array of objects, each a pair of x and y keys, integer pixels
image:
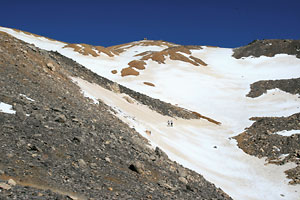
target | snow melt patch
[
  {"x": 23, "y": 95},
  {"x": 6, "y": 108},
  {"x": 288, "y": 133}
]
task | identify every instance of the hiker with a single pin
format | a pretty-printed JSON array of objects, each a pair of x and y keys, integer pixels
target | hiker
[
  {"x": 171, "y": 123},
  {"x": 168, "y": 122}
]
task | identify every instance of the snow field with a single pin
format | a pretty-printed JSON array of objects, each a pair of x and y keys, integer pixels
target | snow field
[{"x": 203, "y": 147}]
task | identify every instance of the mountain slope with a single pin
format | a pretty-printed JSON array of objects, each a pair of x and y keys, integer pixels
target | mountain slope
[
  {"x": 60, "y": 145},
  {"x": 204, "y": 80}
]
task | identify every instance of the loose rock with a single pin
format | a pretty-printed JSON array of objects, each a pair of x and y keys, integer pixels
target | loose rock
[
  {"x": 5, "y": 186},
  {"x": 12, "y": 182},
  {"x": 51, "y": 66}
]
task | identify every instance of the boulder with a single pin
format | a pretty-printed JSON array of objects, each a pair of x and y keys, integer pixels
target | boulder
[{"x": 51, "y": 66}]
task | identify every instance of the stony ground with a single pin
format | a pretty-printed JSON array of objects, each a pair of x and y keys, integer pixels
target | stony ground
[
  {"x": 268, "y": 48},
  {"x": 62, "y": 146},
  {"x": 259, "y": 139}
]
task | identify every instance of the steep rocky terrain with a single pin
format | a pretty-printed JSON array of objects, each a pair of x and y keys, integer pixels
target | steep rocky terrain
[
  {"x": 59, "y": 145},
  {"x": 288, "y": 85},
  {"x": 268, "y": 48},
  {"x": 261, "y": 140}
]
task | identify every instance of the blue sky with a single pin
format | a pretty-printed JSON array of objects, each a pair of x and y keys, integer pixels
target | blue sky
[{"x": 226, "y": 23}]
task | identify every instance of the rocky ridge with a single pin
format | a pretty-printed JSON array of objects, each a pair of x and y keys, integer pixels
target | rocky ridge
[
  {"x": 258, "y": 88},
  {"x": 268, "y": 48}
]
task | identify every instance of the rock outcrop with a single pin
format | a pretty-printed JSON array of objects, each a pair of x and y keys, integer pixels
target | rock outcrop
[
  {"x": 268, "y": 48},
  {"x": 261, "y": 140}
]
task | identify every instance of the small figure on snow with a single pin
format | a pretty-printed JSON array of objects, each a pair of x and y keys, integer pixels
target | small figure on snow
[{"x": 170, "y": 123}]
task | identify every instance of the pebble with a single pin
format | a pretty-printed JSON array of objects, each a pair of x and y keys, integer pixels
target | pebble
[
  {"x": 137, "y": 167},
  {"x": 82, "y": 163},
  {"x": 107, "y": 159},
  {"x": 5, "y": 186},
  {"x": 182, "y": 179},
  {"x": 12, "y": 182},
  {"x": 51, "y": 66}
]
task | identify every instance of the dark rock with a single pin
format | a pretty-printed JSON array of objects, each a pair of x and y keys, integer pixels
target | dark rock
[
  {"x": 137, "y": 167},
  {"x": 57, "y": 109},
  {"x": 33, "y": 148},
  {"x": 77, "y": 140},
  {"x": 190, "y": 188},
  {"x": 20, "y": 112},
  {"x": 288, "y": 85},
  {"x": 152, "y": 158},
  {"x": 160, "y": 153}
]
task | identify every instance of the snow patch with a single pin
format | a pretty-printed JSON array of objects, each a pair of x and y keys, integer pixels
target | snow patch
[
  {"x": 288, "y": 133},
  {"x": 86, "y": 93},
  {"x": 6, "y": 108},
  {"x": 23, "y": 95}
]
